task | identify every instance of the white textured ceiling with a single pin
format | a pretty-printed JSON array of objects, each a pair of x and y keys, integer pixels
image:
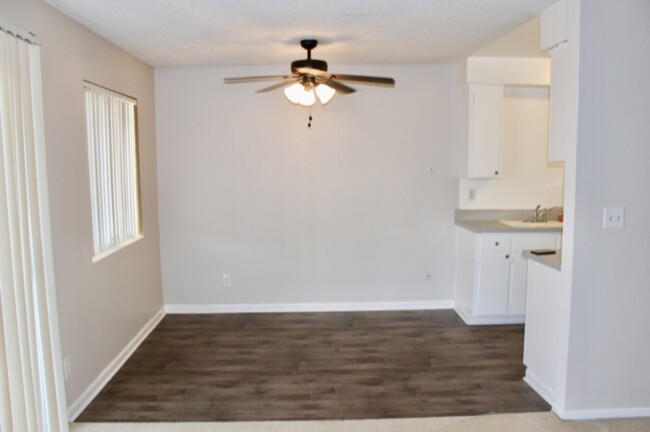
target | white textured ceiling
[{"x": 264, "y": 32}]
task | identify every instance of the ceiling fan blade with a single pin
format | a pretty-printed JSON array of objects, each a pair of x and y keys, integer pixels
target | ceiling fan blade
[
  {"x": 368, "y": 80},
  {"x": 282, "y": 83},
  {"x": 241, "y": 80},
  {"x": 338, "y": 86}
]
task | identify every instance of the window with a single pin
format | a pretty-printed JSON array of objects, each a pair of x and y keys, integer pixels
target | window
[{"x": 113, "y": 161}]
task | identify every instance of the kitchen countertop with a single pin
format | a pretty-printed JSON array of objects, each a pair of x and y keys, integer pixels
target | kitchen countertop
[
  {"x": 493, "y": 226},
  {"x": 553, "y": 261}
]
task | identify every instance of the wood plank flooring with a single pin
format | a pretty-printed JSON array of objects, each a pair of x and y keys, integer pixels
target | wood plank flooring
[{"x": 303, "y": 366}]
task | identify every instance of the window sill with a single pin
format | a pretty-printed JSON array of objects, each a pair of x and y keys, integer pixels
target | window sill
[{"x": 100, "y": 256}]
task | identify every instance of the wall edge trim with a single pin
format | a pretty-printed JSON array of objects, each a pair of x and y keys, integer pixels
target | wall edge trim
[
  {"x": 77, "y": 407},
  {"x": 539, "y": 386},
  {"x": 307, "y": 307},
  {"x": 604, "y": 413},
  {"x": 489, "y": 320}
]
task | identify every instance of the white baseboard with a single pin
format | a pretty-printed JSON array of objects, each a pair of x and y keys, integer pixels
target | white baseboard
[
  {"x": 489, "y": 320},
  {"x": 606, "y": 413},
  {"x": 541, "y": 388},
  {"x": 462, "y": 314},
  {"x": 307, "y": 307},
  {"x": 104, "y": 377}
]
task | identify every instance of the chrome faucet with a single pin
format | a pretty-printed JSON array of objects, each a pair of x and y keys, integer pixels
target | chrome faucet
[{"x": 540, "y": 214}]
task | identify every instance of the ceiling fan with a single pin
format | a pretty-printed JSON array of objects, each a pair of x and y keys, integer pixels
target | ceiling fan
[{"x": 310, "y": 79}]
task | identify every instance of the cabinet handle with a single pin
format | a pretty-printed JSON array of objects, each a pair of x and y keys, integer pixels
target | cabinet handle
[
  {"x": 507, "y": 256},
  {"x": 496, "y": 243},
  {"x": 496, "y": 172}
]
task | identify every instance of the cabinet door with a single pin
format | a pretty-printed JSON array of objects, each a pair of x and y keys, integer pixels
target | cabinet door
[
  {"x": 542, "y": 336},
  {"x": 484, "y": 133},
  {"x": 557, "y": 123},
  {"x": 493, "y": 277},
  {"x": 465, "y": 270},
  {"x": 519, "y": 268}
]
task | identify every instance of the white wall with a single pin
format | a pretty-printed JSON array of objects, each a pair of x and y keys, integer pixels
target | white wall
[
  {"x": 101, "y": 306},
  {"x": 526, "y": 178},
  {"x": 609, "y": 349},
  {"x": 345, "y": 212}
]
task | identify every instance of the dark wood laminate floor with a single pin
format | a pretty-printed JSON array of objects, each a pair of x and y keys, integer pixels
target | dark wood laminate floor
[{"x": 318, "y": 366}]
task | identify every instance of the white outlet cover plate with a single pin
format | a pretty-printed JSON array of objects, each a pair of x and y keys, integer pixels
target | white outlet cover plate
[{"x": 613, "y": 217}]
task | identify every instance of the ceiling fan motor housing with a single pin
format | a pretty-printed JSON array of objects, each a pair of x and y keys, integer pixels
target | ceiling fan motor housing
[
  {"x": 299, "y": 66},
  {"x": 308, "y": 66}
]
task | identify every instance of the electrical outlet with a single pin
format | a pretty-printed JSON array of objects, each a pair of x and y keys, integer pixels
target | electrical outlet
[
  {"x": 226, "y": 280},
  {"x": 67, "y": 367},
  {"x": 471, "y": 194},
  {"x": 613, "y": 217}
]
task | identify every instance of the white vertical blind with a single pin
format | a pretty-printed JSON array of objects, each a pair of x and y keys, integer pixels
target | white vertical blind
[
  {"x": 112, "y": 153},
  {"x": 31, "y": 382}
]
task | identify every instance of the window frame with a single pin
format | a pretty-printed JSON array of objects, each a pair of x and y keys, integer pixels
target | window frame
[{"x": 100, "y": 250}]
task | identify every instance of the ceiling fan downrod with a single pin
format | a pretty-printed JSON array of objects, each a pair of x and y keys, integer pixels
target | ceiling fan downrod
[
  {"x": 309, "y": 44},
  {"x": 308, "y": 65}
]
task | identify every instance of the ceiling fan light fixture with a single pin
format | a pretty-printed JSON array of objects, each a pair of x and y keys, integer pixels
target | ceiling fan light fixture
[
  {"x": 300, "y": 94},
  {"x": 308, "y": 98},
  {"x": 305, "y": 94},
  {"x": 310, "y": 80},
  {"x": 325, "y": 93},
  {"x": 294, "y": 93}
]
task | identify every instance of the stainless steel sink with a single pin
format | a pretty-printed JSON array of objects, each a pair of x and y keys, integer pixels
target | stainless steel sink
[{"x": 531, "y": 224}]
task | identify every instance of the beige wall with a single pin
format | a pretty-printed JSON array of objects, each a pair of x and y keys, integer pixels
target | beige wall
[{"x": 102, "y": 306}]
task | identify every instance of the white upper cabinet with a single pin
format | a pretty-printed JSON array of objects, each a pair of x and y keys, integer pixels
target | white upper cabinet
[
  {"x": 554, "y": 26},
  {"x": 482, "y": 116},
  {"x": 557, "y": 123},
  {"x": 554, "y": 37}
]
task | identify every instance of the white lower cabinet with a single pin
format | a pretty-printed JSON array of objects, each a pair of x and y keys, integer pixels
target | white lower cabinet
[
  {"x": 491, "y": 274},
  {"x": 542, "y": 329}
]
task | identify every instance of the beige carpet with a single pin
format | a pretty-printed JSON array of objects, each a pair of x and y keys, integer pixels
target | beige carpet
[{"x": 532, "y": 422}]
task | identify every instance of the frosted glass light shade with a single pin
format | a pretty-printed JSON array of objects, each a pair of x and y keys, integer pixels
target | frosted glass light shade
[
  {"x": 297, "y": 94},
  {"x": 308, "y": 98},
  {"x": 325, "y": 93},
  {"x": 294, "y": 92}
]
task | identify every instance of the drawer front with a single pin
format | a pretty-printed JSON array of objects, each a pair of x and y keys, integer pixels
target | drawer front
[{"x": 495, "y": 243}]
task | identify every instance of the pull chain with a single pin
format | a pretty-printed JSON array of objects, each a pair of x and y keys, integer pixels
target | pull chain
[{"x": 310, "y": 119}]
